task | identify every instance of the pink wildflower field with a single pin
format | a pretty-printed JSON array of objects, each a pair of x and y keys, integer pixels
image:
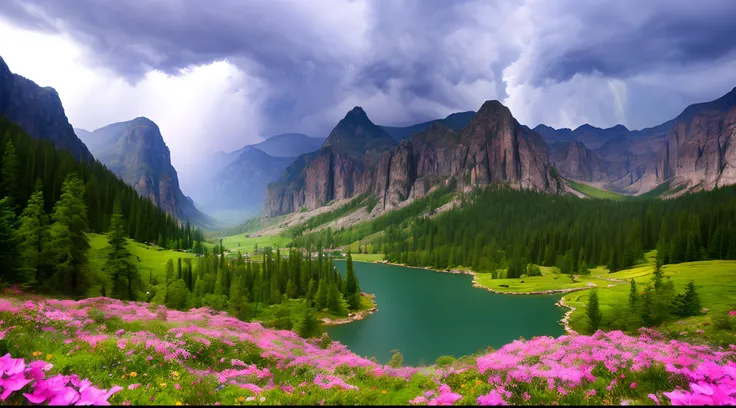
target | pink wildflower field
[{"x": 101, "y": 351}]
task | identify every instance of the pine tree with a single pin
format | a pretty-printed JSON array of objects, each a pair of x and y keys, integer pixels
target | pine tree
[
  {"x": 121, "y": 271},
  {"x": 308, "y": 325},
  {"x": 352, "y": 287},
  {"x": 311, "y": 292},
  {"x": 34, "y": 236},
  {"x": 633, "y": 295},
  {"x": 593, "y": 311},
  {"x": 691, "y": 301},
  {"x": 69, "y": 237},
  {"x": 320, "y": 298},
  {"x": 549, "y": 256},
  {"x": 9, "y": 250},
  {"x": 9, "y": 174}
]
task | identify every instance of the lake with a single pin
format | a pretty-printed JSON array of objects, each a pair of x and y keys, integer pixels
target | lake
[{"x": 426, "y": 314}]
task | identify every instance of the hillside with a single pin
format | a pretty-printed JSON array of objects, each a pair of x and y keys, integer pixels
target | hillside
[
  {"x": 137, "y": 153},
  {"x": 135, "y": 353}
]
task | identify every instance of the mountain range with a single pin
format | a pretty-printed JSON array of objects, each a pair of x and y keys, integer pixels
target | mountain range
[
  {"x": 694, "y": 151},
  {"x": 359, "y": 156},
  {"x": 136, "y": 152}
]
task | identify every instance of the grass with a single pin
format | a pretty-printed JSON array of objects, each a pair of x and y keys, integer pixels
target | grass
[
  {"x": 367, "y": 257},
  {"x": 245, "y": 244},
  {"x": 715, "y": 282},
  {"x": 594, "y": 192},
  {"x": 151, "y": 260}
]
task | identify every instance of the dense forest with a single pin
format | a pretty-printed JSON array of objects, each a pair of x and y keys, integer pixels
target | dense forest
[
  {"x": 51, "y": 201},
  {"x": 498, "y": 227},
  {"x": 245, "y": 288}
]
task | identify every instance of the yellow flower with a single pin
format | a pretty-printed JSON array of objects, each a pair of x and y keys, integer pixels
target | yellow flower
[
  {"x": 478, "y": 382},
  {"x": 133, "y": 374},
  {"x": 123, "y": 376},
  {"x": 178, "y": 403},
  {"x": 175, "y": 373},
  {"x": 462, "y": 385},
  {"x": 384, "y": 392},
  {"x": 49, "y": 357},
  {"x": 163, "y": 385},
  {"x": 241, "y": 398}
]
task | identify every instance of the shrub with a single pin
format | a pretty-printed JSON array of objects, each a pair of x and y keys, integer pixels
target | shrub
[
  {"x": 444, "y": 361},
  {"x": 397, "y": 359}
]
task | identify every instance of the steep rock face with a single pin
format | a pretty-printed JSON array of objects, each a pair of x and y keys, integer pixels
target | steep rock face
[
  {"x": 38, "y": 111},
  {"x": 500, "y": 149},
  {"x": 493, "y": 147},
  {"x": 593, "y": 137},
  {"x": 700, "y": 149},
  {"x": 335, "y": 171},
  {"x": 577, "y": 162},
  {"x": 136, "y": 152}
]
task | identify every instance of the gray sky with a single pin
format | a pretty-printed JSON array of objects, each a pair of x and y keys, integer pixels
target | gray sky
[{"x": 219, "y": 74}]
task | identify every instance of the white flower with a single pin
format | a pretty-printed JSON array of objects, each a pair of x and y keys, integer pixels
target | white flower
[
  {"x": 263, "y": 399},
  {"x": 250, "y": 399}
]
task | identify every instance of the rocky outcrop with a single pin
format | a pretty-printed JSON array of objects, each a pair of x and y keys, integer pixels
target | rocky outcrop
[
  {"x": 38, "y": 111},
  {"x": 493, "y": 147},
  {"x": 455, "y": 121},
  {"x": 135, "y": 151},
  {"x": 576, "y": 161},
  {"x": 593, "y": 137}
]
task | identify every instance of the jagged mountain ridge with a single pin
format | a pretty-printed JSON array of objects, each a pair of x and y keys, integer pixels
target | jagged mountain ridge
[
  {"x": 492, "y": 147},
  {"x": 38, "y": 110},
  {"x": 693, "y": 151},
  {"x": 136, "y": 152}
]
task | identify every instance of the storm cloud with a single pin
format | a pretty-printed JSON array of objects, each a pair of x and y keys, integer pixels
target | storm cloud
[{"x": 305, "y": 63}]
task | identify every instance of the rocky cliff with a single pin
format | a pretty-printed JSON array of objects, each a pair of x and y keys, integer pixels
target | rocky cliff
[
  {"x": 135, "y": 151},
  {"x": 699, "y": 151},
  {"x": 38, "y": 111},
  {"x": 335, "y": 171},
  {"x": 493, "y": 147}
]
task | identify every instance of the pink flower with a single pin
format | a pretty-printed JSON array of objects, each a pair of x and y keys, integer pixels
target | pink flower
[
  {"x": 492, "y": 398},
  {"x": 633, "y": 385},
  {"x": 134, "y": 386},
  {"x": 654, "y": 398},
  {"x": 66, "y": 396},
  {"x": 732, "y": 312},
  {"x": 14, "y": 383}
]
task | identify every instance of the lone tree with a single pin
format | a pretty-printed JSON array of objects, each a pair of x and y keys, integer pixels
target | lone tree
[
  {"x": 691, "y": 301},
  {"x": 121, "y": 270},
  {"x": 594, "y": 312}
]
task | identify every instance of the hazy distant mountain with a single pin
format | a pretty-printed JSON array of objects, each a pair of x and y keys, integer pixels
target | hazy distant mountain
[
  {"x": 455, "y": 121},
  {"x": 136, "y": 152},
  {"x": 240, "y": 186},
  {"x": 38, "y": 111},
  {"x": 289, "y": 145}
]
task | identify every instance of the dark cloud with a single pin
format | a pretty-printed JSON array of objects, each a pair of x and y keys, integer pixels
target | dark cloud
[{"x": 406, "y": 60}]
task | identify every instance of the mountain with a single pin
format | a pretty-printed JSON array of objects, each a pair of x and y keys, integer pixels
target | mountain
[
  {"x": 593, "y": 137},
  {"x": 241, "y": 184},
  {"x": 694, "y": 151},
  {"x": 492, "y": 147},
  {"x": 136, "y": 152},
  {"x": 289, "y": 145},
  {"x": 455, "y": 121},
  {"x": 699, "y": 151},
  {"x": 38, "y": 111},
  {"x": 335, "y": 171}
]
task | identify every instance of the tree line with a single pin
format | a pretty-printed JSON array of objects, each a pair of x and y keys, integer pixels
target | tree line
[
  {"x": 51, "y": 201},
  {"x": 246, "y": 288},
  {"x": 502, "y": 228}
]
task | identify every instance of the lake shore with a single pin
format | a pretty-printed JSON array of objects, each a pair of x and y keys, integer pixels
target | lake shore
[
  {"x": 565, "y": 321},
  {"x": 353, "y": 317}
]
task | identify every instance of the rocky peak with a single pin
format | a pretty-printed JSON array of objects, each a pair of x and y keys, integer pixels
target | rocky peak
[{"x": 356, "y": 134}]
